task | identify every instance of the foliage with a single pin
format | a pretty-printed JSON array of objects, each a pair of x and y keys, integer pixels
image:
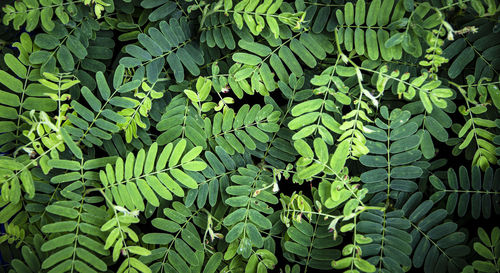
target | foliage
[
  {"x": 249, "y": 136},
  {"x": 486, "y": 247}
]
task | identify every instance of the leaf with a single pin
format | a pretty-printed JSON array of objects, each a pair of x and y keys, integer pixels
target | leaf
[
  {"x": 303, "y": 148},
  {"x": 374, "y": 176},
  {"x": 177, "y": 153},
  {"x": 184, "y": 179},
  {"x": 11, "y": 82},
  {"x": 364, "y": 265},
  {"x": 65, "y": 58},
  {"x": 15, "y": 65},
  {"x": 71, "y": 145},
  {"x": 339, "y": 158},
  {"x": 436, "y": 182},
  {"x": 394, "y": 40},
  {"x": 46, "y": 18},
  {"x": 483, "y": 266},
  {"x": 234, "y": 232},
  {"x": 139, "y": 265},
  {"x": 76, "y": 47},
  {"x": 62, "y": 211},
  {"x": 90, "y": 258},
  {"x": 235, "y": 217},
  {"x": 483, "y": 251},
  {"x": 57, "y": 257},
  {"x": 407, "y": 172},
  {"x": 296, "y": 248},
  {"x": 359, "y": 18},
  {"x": 321, "y": 150},
  {"x": 213, "y": 263},
  {"x": 62, "y": 226},
  {"x": 464, "y": 58},
  {"x": 373, "y": 13},
  {"x": 349, "y": 13},
  {"x": 139, "y": 163},
  {"x": 259, "y": 219},
  {"x": 310, "y": 171},
  {"x": 494, "y": 92},
  {"x": 435, "y": 129},
  {"x": 246, "y": 58}
]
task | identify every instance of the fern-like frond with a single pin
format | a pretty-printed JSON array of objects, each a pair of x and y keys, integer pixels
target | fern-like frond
[
  {"x": 20, "y": 92},
  {"x": 181, "y": 121},
  {"x": 257, "y": 15},
  {"x": 75, "y": 241},
  {"x": 437, "y": 245},
  {"x": 31, "y": 259},
  {"x": 393, "y": 151},
  {"x": 311, "y": 243},
  {"x": 236, "y": 132},
  {"x": 181, "y": 246},
  {"x": 218, "y": 31},
  {"x": 481, "y": 45},
  {"x": 390, "y": 247},
  {"x": 482, "y": 192},
  {"x": 171, "y": 44},
  {"x": 152, "y": 175},
  {"x": 215, "y": 177},
  {"x": 250, "y": 200},
  {"x": 487, "y": 247},
  {"x": 253, "y": 69}
]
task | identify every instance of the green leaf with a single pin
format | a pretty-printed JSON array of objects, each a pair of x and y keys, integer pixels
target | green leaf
[
  {"x": 11, "y": 82},
  {"x": 246, "y": 58},
  {"x": 310, "y": 171},
  {"x": 184, "y": 179},
  {"x": 177, "y": 153},
  {"x": 436, "y": 129},
  {"x": 407, "y": 172},
  {"x": 394, "y": 40},
  {"x": 494, "y": 92},
  {"x": 62, "y": 226},
  {"x": 90, "y": 258},
  {"x": 213, "y": 263},
  {"x": 65, "y": 58},
  {"x": 46, "y": 18},
  {"x": 76, "y": 47},
  {"x": 259, "y": 219},
  {"x": 349, "y": 13},
  {"x": 373, "y": 176},
  {"x": 57, "y": 257},
  {"x": 483, "y": 266},
  {"x": 15, "y": 65},
  {"x": 364, "y": 265},
  {"x": 235, "y": 217},
  {"x": 62, "y": 211},
  {"x": 373, "y": 13},
  {"x": 139, "y": 163},
  {"x": 359, "y": 19},
  {"x": 139, "y": 265},
  {"x": 254, "y": 235},
  {"x": 463, "y": 59},
  {"x": 296, "y": 249},
  {"x": 303, "y": 148},
  {"x": 339, "y": 158},
  {"x": 321, "y": 150},
  {"x": 71, "y": 145},
  {"x": 483, "y": 251},
  {"x": 235, "y": 232}
]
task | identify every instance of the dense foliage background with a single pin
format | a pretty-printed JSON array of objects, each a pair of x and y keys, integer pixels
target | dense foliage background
[{"x": 249, "y": 136}]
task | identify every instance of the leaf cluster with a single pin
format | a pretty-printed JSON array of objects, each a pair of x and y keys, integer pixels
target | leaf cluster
[{"x": 249, "y": 136}]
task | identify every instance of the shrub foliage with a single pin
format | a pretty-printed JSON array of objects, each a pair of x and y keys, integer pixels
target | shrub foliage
[{"x": 249, "y": 136}]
